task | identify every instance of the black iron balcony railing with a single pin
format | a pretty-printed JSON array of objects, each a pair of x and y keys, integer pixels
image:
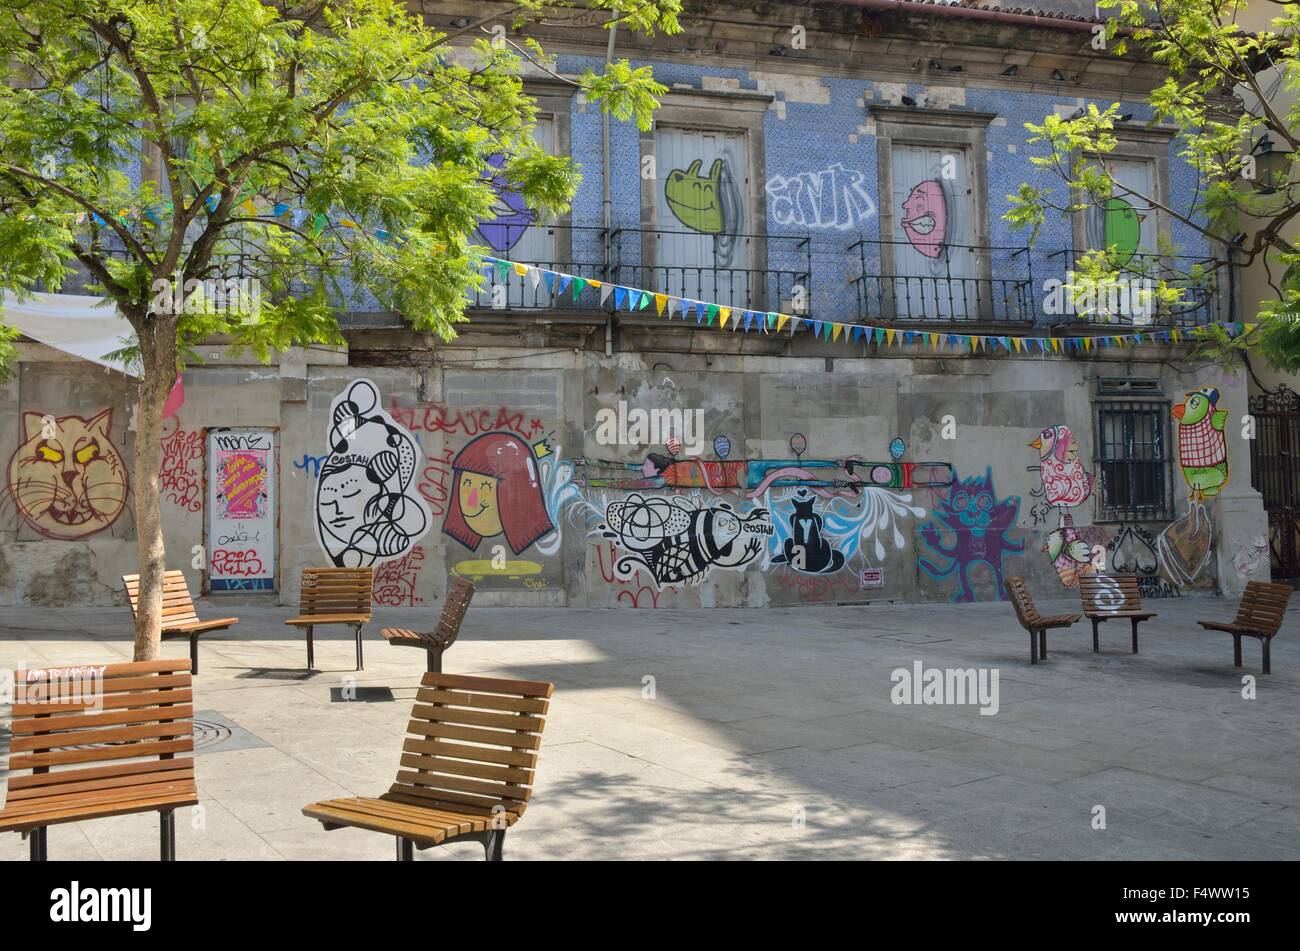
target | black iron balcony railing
[{"x": 899, "y": 282}]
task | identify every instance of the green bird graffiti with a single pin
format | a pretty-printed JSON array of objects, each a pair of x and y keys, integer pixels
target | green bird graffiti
[
  {"x": 1122, "y": 228},
  {"x": 696, "y": 200},
  {"x": 1202, "y": 448}
]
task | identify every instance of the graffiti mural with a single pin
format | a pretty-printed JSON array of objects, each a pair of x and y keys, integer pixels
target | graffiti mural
[
  {"x": 710, "y": 205},
  {"x": 367, "y": 510},
  {"x": 510, "y": 217},
  {"x": 179, "y": 480},
  {"x": 497, "y": 490},
  {"x": 1185, "y": 545},
  {"x": 925, "y": 218},
  {"x": 834, "y": 198},
  {"x": 1065, "y": 483},
  {"x": 1202, "y": 449},
  {"x": 806, "y": 549},
  {"x": 1133, "y": 552},
  {"x": 66, "y": 478},
  {"x": 241, "y": 483},
  {"x": 395, "y": 580},
  {"x": 1074, "y": 552},
  {"x": 972, "y": 526},
  {"x": 681, "y": 539},
  {"x": 753, "y": 478},
  {"x": 1122, "y": 228}
]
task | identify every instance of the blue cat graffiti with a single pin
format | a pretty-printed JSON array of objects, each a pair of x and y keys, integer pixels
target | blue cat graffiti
[{"x": 972, "y": 526}]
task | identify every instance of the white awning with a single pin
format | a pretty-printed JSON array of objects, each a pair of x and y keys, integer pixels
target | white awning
[{"x": 84, "y": 326}]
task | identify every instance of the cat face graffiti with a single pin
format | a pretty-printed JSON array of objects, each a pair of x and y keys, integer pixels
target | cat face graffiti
[
  {"x": 67, "y": 478},
  {"x": 925, "y": 218},
  {"x": 972, "y": 506},
  {"x": 695, "y": 200}
]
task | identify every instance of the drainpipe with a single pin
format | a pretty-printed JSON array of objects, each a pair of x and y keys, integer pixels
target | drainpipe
[
  {"x": 974, "y": 13},
  {"x": 606, "y": 206}
]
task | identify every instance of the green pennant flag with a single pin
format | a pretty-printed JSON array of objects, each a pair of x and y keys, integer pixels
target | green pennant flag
[
  {"x": 644, "y": 301},
  {"x": 579, "y": 285},
  {"x": 317, "y": 224},
  {"x": 713, "y": 313},
  {"x": 503, "y": 270}
]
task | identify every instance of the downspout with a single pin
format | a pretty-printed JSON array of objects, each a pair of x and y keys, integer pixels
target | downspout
[
  {"x": 606, "y": 206},
  {"x": 975, "y": 13}
]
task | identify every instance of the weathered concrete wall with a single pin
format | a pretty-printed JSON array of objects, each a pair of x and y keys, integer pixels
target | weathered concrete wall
[{"x": 760, "y": 517}]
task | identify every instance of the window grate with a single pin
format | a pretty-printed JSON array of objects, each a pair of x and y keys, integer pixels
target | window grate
[{"x": 1133, "y": 460}]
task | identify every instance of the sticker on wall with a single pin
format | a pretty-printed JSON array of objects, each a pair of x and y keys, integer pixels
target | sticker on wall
[
  {"x": 240, "y": 520},
  {"x": 67, "y": 478},
  {"x": 368, "y": 510}
]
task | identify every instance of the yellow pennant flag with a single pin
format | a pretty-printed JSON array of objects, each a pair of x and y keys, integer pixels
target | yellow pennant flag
[
  {"x": 934, "y": 340},
  {"x": 1087, "y": 343},
  {"x": 723, "y": 314},
  {"x": 780, "y": 321},
  {"x": 1017, "y": 343},
  {"x": 1056, "y": 344},
  {"x": 835, "y": 331},
  {"x": 889, "y": 337},
  {"x": 660, "y": 300},
  {"x": 1175, "y": 336},
  {"x": 521, "y": 269}
]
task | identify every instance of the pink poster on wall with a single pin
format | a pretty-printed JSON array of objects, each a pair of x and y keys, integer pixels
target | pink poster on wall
[{"x": 241, "y": 492}]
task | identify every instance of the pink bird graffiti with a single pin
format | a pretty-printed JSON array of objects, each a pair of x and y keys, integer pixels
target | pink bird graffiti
[{"x": 1065, "y": 483}]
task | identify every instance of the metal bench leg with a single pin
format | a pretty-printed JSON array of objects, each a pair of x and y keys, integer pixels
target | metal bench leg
[
  {"x": 194, "y": 654},
  {"x": 1042, "y": 643},
  {"x": 1236, "y": 650},
  {"x": 1096, "y": 648},
  {"x": 1033, "y": 647},
  {"x": 495, "y": 845},
  {"x": 435, "y": 660},
  {"x": 405, "y": 850},
  {"x": 167, "y": 834},
  {"x": 360, "y": 661},
  {"x": 1135, "y": 634},
  {"x": 1268, "y": 667},
  {"x": 311, "y": 654},
  {"x": 36, "y": 841}
]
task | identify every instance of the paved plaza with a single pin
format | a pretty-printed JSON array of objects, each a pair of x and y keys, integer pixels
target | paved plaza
[{"x": 760, "y": 734}]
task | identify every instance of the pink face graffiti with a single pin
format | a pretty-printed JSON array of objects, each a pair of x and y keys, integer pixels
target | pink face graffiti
[{"x": 925, "y": 218}]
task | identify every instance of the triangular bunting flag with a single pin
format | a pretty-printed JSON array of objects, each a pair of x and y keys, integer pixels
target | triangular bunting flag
[
  {"x": 835, "y": 334},
  {"x": 549, "y": 278},
  {"x": 780, "y": 321},
  {"x": 521, "y": 269},
  {"x": 817, "y": 328},
  {"x": 660, "y": 301},
  {"x": 563, "y": 284},
  {"x": 578, "y": 285},
  {"x": 715, "y": 311},
  {"x": 724, "y": 315},
  {"x": 605, "y": 291},
  {"x": 620, "y": 297},
  {"x": 889, "y": 337}
]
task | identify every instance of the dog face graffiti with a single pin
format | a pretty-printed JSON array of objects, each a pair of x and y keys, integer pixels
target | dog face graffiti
[
  {"x": 680, "y": 539},
  {"x": 367, "y": 511},
  {"x": 498, "y": 490},
  {"x": 67, "y": 478},
  {"x": 696, "y": 200},
  {"x": 925, "y": 218}
]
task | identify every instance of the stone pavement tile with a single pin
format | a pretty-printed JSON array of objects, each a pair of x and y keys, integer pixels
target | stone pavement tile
[
  {"x": 210, "y": 833},
  {"x": 1027, "y": 762},
  {"x": 765, "y": 734},
  {"x": 900, "y": 728},
  {"x": 307, "y": 841},
  {"x": 66, "y": 842},
  {"x": 264, "y": 788},
  {"x": 851, "y": 774},
  {"x": 1187, "y": 805}
]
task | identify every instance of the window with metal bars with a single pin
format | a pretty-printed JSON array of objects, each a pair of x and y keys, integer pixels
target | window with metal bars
[{"x": 1133, "y": 460}]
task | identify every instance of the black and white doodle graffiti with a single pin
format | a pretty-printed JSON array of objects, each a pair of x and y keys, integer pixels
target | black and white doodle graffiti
[
  {"x": 682, "y": 538},
  {"x": 807, "y": 549},
  {"x": 367, "y": 509}
]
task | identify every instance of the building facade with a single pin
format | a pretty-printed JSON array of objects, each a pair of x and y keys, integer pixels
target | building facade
[{"x": 782, "y": 350}]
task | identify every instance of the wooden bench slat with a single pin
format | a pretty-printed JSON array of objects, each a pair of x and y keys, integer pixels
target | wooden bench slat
[
  {"x": 496, "y": 721},
  {"x": 517, "y": 741},
  {"x": 527, "y": 688},
  {"x": 95, "y": 754},
  {"x": 488, "y": 700},
  {"x": 81, "y": 738},
  {"x": 136, "y": 780},
  {"x": 56, "y": 779},
  {"x": 438, "y": 764},
  {"x": 139, "y": 697},
  {"x": 107, "y": 718},
  {"x": 482, "y": 754}
]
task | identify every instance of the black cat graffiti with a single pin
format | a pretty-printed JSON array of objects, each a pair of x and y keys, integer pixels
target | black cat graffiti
[{"x": 806, "y": 550}]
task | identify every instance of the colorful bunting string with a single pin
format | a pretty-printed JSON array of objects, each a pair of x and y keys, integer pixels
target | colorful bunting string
[{"x": 635, "y": 299}]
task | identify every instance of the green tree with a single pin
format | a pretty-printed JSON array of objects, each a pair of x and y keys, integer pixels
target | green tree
[
  {"x": 1230, "y": 92},
  {"x": 310, "y": 147}
]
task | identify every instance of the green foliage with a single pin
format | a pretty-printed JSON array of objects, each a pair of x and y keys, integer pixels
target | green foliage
[
  {"x": 322, "y": 151},
  {"x": 1219, "y": 93}
]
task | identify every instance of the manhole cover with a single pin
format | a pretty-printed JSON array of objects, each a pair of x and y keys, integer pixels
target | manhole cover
[
  {"x": 207, "y": 733},
  {"x": 360, "y": 694}
]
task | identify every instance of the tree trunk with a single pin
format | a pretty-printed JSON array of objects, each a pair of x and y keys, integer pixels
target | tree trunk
[{"x": 158, "y": 356}]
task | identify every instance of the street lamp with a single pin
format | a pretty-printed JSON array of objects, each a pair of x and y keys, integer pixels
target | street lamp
[{"x": 1272, "y": 168}]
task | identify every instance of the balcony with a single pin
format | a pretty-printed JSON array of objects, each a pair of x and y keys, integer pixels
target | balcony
[{"x": 1018, "y": 285}]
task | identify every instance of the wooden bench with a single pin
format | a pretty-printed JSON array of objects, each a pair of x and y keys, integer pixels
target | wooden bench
[
  {"x": 334, "y": 596},
  {"x": 109, "y": 749},
  {"x": 1262, "y": 607},
  {"x": 1106, "y": 597},
  {"x": 447, "y": 789},
  {"x": 179, "y": 618},
  {"x": 444, "y": 635},
  {"x": 1036, "y": 624}
]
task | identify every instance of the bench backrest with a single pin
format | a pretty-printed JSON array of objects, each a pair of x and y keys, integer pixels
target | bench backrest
[
  {"x": 1022, "y": 601},
  {"x": 336, "y": 591},
  {"x": 71, "y": 729},
  {"x": 1262, "y": 606},
  {"x": 1102, "y": 594},
  {"x": 503, "y": 718},
  {"x": 177, "y": 605},
  {"x": 453, "y": 612}
]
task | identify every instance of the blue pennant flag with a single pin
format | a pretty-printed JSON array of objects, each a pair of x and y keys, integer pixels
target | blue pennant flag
[
  {"x": 565, "y": 281},
  {"x": 549, "y": 278},
  {"x": 620, "y": 297},
  {"x": 701, "y": 309},
  {"x": 817, "y": 328},
  {"x": 856, "y": 332},
  {"x": 687, "y": 306},
  {"x": 279, "y": 209}
]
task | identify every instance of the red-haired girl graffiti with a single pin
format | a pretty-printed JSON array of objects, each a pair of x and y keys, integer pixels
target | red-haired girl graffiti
[{"x": 497, "y": 489}]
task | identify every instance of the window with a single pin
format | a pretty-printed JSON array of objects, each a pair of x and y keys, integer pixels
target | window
[{"x": 1133, "y": 460}]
